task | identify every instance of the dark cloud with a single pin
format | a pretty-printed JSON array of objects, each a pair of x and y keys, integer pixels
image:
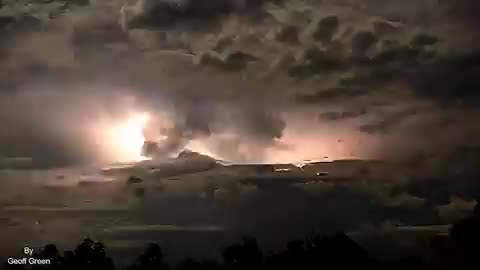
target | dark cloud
[
  {"x": 287, "y": 34},
  {"x": 397, "y": 57},
  {"x": 408, "y": 11},
  {"x": 11, "y": 25},
  {"x": 326, "y": 28},
  {"x": 388, "y": 121},
  {"x": 421, "y": 40},
  {"x": 249, "y": 128},
  {"x": 464, "y": 10},
  {"x": 196, "y": 122},
  {"x": 334, "y": 116},
  {"x": 165, "y": 13},
  {"x": 446, "y": 77},
  {"x": 386, "y": 28},
  {"x": 361, "y": 42},
  {"x": 267, "y": 125},
  {"x": 5, "y": 21},
  {"x": 456, "y": 209},
  {"x": 451, "y": 79},
  {"x": 314, "y": 61},
  {"x": 229, "y": 61},
  {"x": 97, "y": 34},
  {"x": 329, "y": 95},
  {"x": 78, "y": 2}
]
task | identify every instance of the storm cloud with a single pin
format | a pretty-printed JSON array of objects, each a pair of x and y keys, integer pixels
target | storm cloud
[{"x": 247, "y": 78}]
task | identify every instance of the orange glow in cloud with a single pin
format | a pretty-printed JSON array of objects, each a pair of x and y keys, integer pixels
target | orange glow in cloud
[
  {"x": 122, "y": 141},
  {"x": 129, "y": 138},
  {"x": 308, "y": 138}
]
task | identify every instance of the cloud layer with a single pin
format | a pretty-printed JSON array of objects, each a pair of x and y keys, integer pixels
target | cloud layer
[{"x": 240, "y": 70}]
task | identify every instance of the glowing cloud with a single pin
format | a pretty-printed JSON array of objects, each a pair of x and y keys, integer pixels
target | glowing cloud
[
  {"x": 122, "y": 141},
  {"x": 129, "y": 137}
]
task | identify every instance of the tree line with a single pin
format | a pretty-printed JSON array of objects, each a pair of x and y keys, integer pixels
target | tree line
[{"x": 459, "y": 250}]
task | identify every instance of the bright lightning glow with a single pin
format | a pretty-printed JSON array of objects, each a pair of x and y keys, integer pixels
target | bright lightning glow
[
  {"x": 124, "y": 140},
  {"x": 130, "y": 137}
]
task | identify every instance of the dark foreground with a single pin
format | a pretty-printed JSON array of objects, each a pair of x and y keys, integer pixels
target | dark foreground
[{"x": 460, "y": 249}]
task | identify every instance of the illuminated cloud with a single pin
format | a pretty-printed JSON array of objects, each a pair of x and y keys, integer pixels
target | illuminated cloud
[{"x": 252, "y": 67}]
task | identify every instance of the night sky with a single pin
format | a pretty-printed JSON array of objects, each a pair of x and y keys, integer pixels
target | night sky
[{"x": 390, "y": 86}]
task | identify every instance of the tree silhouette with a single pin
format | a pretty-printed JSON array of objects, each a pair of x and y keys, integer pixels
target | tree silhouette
[
  {"x": 465, "y": 237},
  {"x": 460, "y": 249},
  {"x": 6, "y": 266},
  {"x": 50, "y": 252},
  {"x": 190, "y": 264},
  {"x": 244, "y": 255},
  {"x": 151, "y": 259},
  {"x": 89, "y": 255}
]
